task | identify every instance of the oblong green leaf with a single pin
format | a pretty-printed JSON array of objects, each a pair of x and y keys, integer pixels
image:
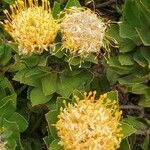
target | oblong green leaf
[
  {"x": 127, "y": 130},
  {"x": 73, "y": 3},
  {"x": 37, "y": 96}
]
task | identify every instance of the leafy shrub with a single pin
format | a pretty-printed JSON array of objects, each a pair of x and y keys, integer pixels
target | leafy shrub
[
  {"x": 130, "y": 66},
  {"x": 12, "y": 123}
]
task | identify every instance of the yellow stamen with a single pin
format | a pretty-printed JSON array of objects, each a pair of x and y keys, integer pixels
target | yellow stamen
[
  {"x": 32, "y": 26},
  {"x": 90, "y": 124}
]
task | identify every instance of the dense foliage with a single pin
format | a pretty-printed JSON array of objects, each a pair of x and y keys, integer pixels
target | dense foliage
[{"x": 33, "y": 87}]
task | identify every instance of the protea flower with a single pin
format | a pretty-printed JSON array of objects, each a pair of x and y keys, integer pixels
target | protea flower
[
  {"x": 90, "y": 124},
  {"x": 31, "y": 25},
  {"x": 83, "y": 32},
  {"x": 2, "y": 145}
]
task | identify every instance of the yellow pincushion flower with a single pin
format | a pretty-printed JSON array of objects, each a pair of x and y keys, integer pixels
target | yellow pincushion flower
[
  {"x": 31, "y": 25},
  {"x": 83, "y": 31},
  {"x": 90, "y": 124}
]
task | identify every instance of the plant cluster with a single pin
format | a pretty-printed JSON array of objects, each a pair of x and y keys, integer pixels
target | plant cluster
[
  {"x": 58, "y": 64},
  {"x": 131, "y": 65}
]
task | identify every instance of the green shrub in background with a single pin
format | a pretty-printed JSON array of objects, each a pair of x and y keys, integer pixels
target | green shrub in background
[
  {"x": 12, "y": 123},
  {"x": 131, "y": 65}
]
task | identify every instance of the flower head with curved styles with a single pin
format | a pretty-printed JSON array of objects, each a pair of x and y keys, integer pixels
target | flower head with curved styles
[
  {"x": 90, "y": 124},
  {"x": 2, "y": 146},
  {"x": 2, "y": 143},
  {"x": 31, "y": 25},
  {"x": 83, "y": 31}
]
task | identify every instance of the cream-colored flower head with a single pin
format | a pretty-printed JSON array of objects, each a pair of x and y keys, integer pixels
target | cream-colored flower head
[
  {"x": 31, "y": 25},
  {"x": 2, "y": 145},
  {"x": 90, "y": 124},
  {"x": 83, "y": 31}
]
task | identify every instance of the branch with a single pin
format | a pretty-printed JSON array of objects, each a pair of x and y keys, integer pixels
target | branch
[
  {"x": 141, "y": 109},
  {"x": 140, "y": 132},
  {"x": 105, "y": 4},
  {"x": 130, "y": 107}
]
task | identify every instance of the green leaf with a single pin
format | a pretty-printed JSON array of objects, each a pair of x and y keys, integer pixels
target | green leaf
[
  {"x": 100, "y": 84},
  {"x": 131, "y": 79},
  {"x": 5, "y": 83},
  {"x": 127, "y": 129},
  {"x": 132, "y": 13},
  {"x": 9, "y": 1},
  {"x": 31, "y": 61},
  {"x": 55, "y": 146},
  {"x": 2, "y": 93},
  {"x": 43, "y": 60},
  {"x": 134, "y": 122},
  {"x": 69, "y": 83},
  {"x": 113, "y": 31},
  {"x": 112, "y": 76},
  {"x": 78, "y": 93},
  {"x": 75, "y": 61},
  {"x": 6, "y": 134},
  {"x": 56, "y": 9},
  {"x": 92, "y": 58},
  {"x": 60, "y": 102},
  {"x": 145, "y": 102},
  {"x": 18, "y": 64},
  {"x": 6, "y": 109},
  {"x": 144, "y": 35},
  {"x": 51, "y": 118},
  {"x": 139, "y": 88},
  {"x": 37, "y": 96},
  {"x": 2, "y": 50},
  {"x": 8, "y": 125},
  {"x": 5, "y": 58},
  {"x": 144, "y": 13},
  {"x": 72, "y": 3},
  {"x": 125, "y": 44},
  {"x": 139, "y": 59},
  {"x": 132, "y": 140},
  {"x": 20, "y": 120},
  {"x": 113, "y": 95},
  {"x": 29, "y": 76},
  {"x": 146, "y": 143},
  {"x": 147, "y": 93},
  {"x": 145, "y": 51},
  {"x": 48, "y": 140},
  {"x": 146, "y": 3},
  {"x": 125, "y": 145},
  {"x": 12, "y": 97},
  {"x": 118, "y": 68},
  {"x": 58, "y": 52},
  {"x": 148, "y": 121},
  {"x": 32, "y": 144},
  {"x": 33, "y": 72},
  {"x": 52, "y": 103},
  {"x": 49, "y": 84},
  {"x": 125, "y": 59},
  {"x": 127, "y": 31},
  {"x": 11, "y": 143}
]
